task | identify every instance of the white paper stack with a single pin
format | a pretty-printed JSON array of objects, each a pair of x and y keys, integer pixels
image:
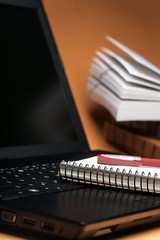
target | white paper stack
[{"x": 128, "y": 87}]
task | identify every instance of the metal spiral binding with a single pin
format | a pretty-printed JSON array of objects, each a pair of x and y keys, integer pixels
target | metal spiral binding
[
  {"x": 97, "y": 174},
  {"x": 154, "y": 182},
  {"x": 122, "y": 179},
  {"x": 135, "y": 174},
  {"x": 78, "y": 172},
  {"x": 141, "y": 180},
  {"x": 149, "y": 175},
  {"x": 90, "y": 176},
  {"x": 116, "y": 175},
  {"x": 86, "y": 166},
  {"x": 102, "y": 176},
  {"x": 130, "y": 173},
  {"x": 72, "y": 169},
  {"x": 110, "y": 171},
  {"x": 65, "y": 169}
]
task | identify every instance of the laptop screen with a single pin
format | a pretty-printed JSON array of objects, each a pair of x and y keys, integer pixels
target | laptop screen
[{"x": 38, "y": 115}]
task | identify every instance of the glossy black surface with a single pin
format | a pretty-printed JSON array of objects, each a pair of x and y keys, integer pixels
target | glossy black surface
[{"x": 89, "y": 205}]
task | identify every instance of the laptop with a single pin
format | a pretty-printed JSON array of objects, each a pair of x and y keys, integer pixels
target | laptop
[{"x": 40, "y": 127}]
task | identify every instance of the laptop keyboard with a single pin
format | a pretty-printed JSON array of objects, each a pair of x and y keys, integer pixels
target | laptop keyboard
[{"x": 31, "y": 180}]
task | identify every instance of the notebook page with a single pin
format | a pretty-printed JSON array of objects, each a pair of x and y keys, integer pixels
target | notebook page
[{"x": 93, "y": 161}]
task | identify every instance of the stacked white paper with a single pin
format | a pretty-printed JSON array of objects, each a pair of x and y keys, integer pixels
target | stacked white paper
[{"x": 128, "y": 87}]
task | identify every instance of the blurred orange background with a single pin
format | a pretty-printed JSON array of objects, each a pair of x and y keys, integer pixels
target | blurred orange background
[{"x": 80, "y": 26}]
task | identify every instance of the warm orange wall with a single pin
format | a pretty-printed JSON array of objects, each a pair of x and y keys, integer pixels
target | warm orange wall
[{"x": 79, "y": 27}]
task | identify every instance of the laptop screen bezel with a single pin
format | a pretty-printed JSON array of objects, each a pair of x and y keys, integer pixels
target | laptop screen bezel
[{"x": 81, "y": 145}]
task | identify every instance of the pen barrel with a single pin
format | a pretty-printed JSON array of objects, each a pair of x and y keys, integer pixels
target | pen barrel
[
  {"x": 117, "y": 161},
  {"x": 153, "y": 162}
]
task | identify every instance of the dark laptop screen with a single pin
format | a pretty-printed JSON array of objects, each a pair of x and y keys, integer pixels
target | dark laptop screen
[{"x": 33, "y": 104}]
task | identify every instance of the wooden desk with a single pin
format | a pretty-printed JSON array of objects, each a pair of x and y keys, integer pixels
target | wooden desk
[{"x": 79, "y": 28}]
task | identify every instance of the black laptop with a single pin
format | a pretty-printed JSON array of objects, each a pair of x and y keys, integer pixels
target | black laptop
[{"x": 39, "y": 127}]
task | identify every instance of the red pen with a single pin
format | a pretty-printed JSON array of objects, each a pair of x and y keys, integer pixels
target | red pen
[{"x": 125, "y": 160}]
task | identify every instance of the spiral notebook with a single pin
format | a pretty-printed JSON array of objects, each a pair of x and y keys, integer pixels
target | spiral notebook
[{"x": 87, "y": 171}]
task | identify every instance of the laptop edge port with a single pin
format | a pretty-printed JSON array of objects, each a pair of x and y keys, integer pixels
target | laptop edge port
[
  {"x": 47, "y": 226},
  {"x": 29, "y": 221}
]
